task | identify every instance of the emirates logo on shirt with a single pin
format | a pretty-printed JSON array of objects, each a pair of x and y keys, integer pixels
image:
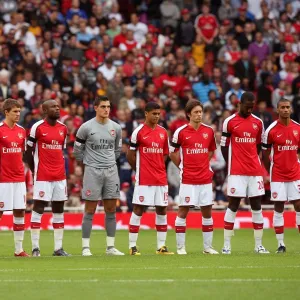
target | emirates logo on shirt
[
  {"x": 205, "y": 135},
  {"x": 255, "y": 127},
  {"x": 162, "y": 136},
  {"x": 295, "y": 133},
  {"x": 88, "y": 193},
  {"x": 274, "y": 195},
  {"x": 112, "y": 132},
  {"x": 232, "y": 190},
  {"x": 61, "y": 133},
  {"x": 187, "y": 199},
  {"x": 21, "y": 136},
  {"x": 141, "y": 198},
  {"x": 1, "y": 204},
  {"x": 41, "y": 194}
]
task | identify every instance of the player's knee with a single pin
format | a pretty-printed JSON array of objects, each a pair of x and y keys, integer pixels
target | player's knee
[
  {"x": 297, "y": 206},
  {"x": 58, "y": 207},
  {"x": 279, "y": 207},
  {"x": 138, "y": 210},
  {"x": 39, "y": 207},
  {"x": 161, "y": 210},
  {"x": 233, "y": 207},
  {"x": 182, "y": 214},
  {"x": 110, "y": 210},
  {"x": 90, "y": 207},
  {"x": 255, "y": 204},
  {"x": 19, "y": 213}
]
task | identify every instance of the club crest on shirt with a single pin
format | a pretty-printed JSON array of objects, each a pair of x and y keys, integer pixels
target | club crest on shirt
[
  {"x": 61, "y": 132},
  {"x": 205, "y": 135},
  {"x": 1, "y": 204},
  {"x": 274, "y": 195},
  {"x": 41, "y": 194},
  {"x": 162, "y": 136},
  {"x": 20, "y": 135},
  {"x": 88, "y": 193},
  {"x": 232, "y": 190},
  {"x": 295, "y": 133},
  {"x": 141, "y": 198},
  {"x": 187, "y": 199},
  {"x": 255, "y": 127},
  {"x": 113, "y": 132}
]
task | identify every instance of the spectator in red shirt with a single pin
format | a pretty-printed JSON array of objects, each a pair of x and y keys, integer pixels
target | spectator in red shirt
[
  {"x": 180, "y": 121},
  {"x": 128, "y": 67},
  {"x": 129, "y": 44},
  {"x": 120, "y": 38},
  {"x": 206, "y": 25},
  {"x": 287, "y": 56},
  {"x": 170, "y": 80}
]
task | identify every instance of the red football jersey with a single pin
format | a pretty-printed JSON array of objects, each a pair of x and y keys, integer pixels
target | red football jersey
[
  {"x": 12, "y": 146},
  {"x": 289, "y": 56},
  {"x": 242, "y": 135},
  {"x": 49, "y": 162},
  {"x": 194, "y": 146},
  {"x": 151, "y": 146},
  {"x": 284, "y": 142},
  {"x": 207, "y": 24}
]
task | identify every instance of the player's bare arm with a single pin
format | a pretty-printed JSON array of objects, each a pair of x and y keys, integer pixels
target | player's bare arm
[
  {"x": 175, "y": 157},
  {"x": 224, "y": 150},
  {"x": 28, "y": 157},
  {"x": 258, "y": 147},
  {"x": 211, "y": 154},
  {"x": 266, "y": 158},
  {"x": 79, "y": 146},
  {"x": 131, "y": 157}
]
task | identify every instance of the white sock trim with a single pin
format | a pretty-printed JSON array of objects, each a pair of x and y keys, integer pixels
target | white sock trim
[{"x": 160, "y": 219}]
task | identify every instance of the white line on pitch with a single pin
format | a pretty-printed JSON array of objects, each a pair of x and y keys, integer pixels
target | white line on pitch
[
  {"x": 154, "y": 268},
  {"x": 191, "y": 280}
]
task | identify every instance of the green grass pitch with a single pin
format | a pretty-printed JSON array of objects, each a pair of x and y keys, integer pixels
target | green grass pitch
[{"x": 242, "y": 275}]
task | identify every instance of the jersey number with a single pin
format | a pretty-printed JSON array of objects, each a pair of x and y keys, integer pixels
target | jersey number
[{"x": 260, "y": 185}]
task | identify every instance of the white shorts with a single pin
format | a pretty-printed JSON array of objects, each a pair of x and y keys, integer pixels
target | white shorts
[
  {"x": 12, "y": 195},
  {"x": 195, "y": 195},
  {"x": 283, "y": 191},
  {"x": 150, "y": 195},
  {"x": 243, "y": 186},
  {"x": 50, "y": 190}
]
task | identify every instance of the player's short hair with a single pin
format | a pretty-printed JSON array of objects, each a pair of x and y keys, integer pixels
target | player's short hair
[
  {"x": 283, "y": 100},
  {"x": 247, "y": 96},
  {"x": 151, "y": 106},
  {"x": 9, "y": 104},
  {"x": 190, "y": 106},
  {"x": 99, "y": 99}
]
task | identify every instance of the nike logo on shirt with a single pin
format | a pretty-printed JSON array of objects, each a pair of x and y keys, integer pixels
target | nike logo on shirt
[
  {"x": 145, "y": 137},
  {"x": 188, "y": 137},
  {"x": 93, "y": 133},
  {"x": 44, "y": 134},
  {"x": 4, "y": 137},
  {"x": 279, "y": 135}
]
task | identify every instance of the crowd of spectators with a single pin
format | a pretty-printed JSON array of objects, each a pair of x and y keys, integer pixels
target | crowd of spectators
[{"x": 136, "y": 51}]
